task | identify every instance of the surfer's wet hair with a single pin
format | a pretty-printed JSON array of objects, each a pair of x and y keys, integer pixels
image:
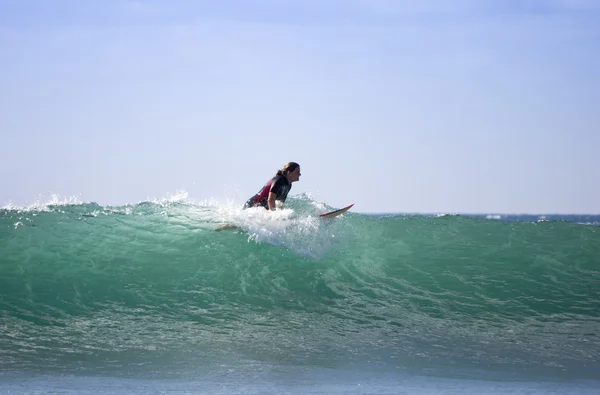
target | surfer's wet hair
[{"x": 289, "y": 167}]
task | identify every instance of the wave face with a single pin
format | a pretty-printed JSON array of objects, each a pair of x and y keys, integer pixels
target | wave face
[{"x": 152, "y": 287}]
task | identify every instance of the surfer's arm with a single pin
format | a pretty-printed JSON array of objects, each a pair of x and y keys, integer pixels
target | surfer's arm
[{"x": 271, "y": 201}]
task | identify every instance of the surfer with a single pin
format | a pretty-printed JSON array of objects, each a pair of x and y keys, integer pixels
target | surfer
[{"x": 277, "y": 188}]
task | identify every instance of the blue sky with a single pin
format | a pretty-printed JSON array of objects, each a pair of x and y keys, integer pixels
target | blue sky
[{"x": 464, "y": 106}]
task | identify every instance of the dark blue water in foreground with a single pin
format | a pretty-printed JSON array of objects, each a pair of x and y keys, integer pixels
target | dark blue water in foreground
[{"x": 149, "y": 298}]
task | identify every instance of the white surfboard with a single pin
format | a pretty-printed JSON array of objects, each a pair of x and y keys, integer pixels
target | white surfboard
[
  {"x": 335, "y": 213},
  {"x": 330, "y": 214}
]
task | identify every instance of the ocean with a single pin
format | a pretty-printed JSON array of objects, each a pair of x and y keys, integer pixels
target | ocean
[{"x": 149, "y": 298}]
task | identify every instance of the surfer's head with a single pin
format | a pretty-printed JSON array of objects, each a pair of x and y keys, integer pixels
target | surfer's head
[{"x": 291, "y": 170}]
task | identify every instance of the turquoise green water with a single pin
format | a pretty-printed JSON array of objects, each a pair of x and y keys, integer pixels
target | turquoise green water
[{"x": 154, "y": 288}]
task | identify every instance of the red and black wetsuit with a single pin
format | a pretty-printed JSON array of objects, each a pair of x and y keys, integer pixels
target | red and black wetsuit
[{"x": 279, "y": 185}]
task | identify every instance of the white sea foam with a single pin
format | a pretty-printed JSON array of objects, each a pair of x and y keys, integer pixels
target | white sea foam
[
  {"x": 299, "y": 229},
  {"x": 180, "y": 196},
  {"x": 45, "y": 203}
]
